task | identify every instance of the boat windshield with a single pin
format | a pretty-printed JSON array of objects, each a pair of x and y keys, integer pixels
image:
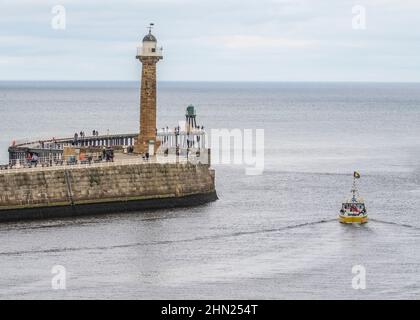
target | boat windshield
[{"x": 348, "y": 206}]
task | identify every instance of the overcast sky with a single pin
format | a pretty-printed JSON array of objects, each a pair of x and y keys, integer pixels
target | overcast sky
[{"x": 212, "y": 40}]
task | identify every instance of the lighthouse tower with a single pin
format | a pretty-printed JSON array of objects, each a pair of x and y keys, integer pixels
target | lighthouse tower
[{"x": 149, "y": 55}]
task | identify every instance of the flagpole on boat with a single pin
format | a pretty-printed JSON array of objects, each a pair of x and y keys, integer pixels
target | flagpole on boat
[
  {"x": 356, "y": 176},
  {"x": 353, "y": 190}
]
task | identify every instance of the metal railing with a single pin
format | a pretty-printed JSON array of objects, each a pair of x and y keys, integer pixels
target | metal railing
[
  {"x": 90, "y": 165},
  {"x": 50, "y": 152},
  {"x": 63, "y": 165},
  {"x": 59, "y": 143}
]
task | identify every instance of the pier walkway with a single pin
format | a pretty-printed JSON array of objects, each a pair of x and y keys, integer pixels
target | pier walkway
[
  {"x": 50, "y": 151},
  {"x": 120, "y": 159}
]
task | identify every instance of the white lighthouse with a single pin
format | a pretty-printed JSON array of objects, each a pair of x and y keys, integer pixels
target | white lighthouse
[
  {"x": 149, "y": 55},
  {"x": 149, "y": 47}
]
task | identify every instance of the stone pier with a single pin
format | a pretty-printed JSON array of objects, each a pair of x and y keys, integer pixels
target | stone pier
[{"x": 61, "y": 192}]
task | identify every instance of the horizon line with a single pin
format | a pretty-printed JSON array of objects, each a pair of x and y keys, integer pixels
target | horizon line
[{"x": 227, "y": 81}]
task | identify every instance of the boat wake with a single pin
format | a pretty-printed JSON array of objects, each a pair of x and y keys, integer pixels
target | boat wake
[
  {"x": 396, "y": 224},
  {"x": 165, "y": 242},
  {"x": 203, "y": 238}
]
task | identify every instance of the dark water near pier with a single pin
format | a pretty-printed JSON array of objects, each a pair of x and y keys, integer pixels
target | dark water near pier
[{"x": 269, "y": 236}]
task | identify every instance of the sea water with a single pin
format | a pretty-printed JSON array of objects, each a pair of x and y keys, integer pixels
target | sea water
[{"x": 273, "y": 235}]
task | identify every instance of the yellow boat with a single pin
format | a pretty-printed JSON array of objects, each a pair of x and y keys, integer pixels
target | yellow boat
[{"x": 353, "y": 210}]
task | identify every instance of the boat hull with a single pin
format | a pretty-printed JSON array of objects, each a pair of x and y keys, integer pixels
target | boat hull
[{"x": 353, "y": 219}]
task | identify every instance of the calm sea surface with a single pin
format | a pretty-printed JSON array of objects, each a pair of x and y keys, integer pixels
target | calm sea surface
[{"x": 269, "y": 236}]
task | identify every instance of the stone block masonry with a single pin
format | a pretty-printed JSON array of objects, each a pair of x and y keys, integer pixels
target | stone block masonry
[
  {"x": 147, "y": 105},
  {"x": 70, "y": 191}
]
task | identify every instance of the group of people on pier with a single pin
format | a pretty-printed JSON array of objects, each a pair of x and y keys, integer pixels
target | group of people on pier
[
  {"x": 82, "y": 135},
  {"x": 51, "y": 152}
]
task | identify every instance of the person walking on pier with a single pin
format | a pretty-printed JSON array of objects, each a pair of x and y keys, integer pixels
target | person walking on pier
[
  {"x": 34, "y": 159},
  {"x": 103, "y": 153}
]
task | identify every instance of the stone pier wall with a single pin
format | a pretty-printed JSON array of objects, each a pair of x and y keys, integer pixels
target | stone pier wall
[{"x": 73, "y": 187}]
